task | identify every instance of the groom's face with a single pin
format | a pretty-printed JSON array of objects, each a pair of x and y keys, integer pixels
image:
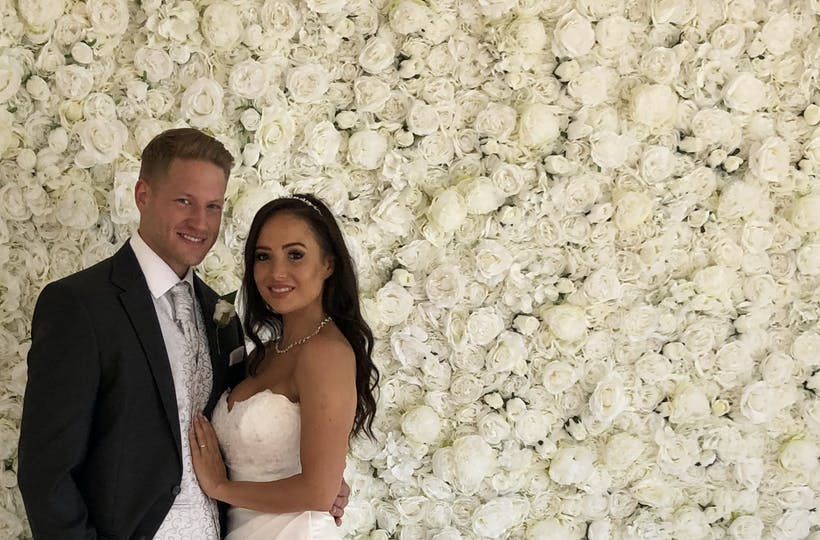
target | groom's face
[{"x": 180, "y": 212}]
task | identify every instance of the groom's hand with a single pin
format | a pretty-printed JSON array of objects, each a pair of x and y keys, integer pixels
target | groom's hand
[{"x": 338, "y": 509}]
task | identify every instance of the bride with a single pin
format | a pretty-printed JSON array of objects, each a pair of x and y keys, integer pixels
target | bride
[{"x": 284, "y": 429}]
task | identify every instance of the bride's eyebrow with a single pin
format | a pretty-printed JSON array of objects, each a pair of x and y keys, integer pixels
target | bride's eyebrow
[{"x": 292, "y": 244}]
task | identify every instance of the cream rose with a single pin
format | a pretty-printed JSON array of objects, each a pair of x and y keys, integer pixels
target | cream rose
[
  {"x": 572, "y": 465},
  {"x": 805, "y": 213},
  {"x": 573, "y": 36},
  {"x": 538, "y": 125},
  {"x": 566, "y": 322},
  {"x": 484, "y": 325},
  {"x": 11, "y": 76},
  {"x": 591, "y": 87},
  {"x": 806, "y": 350},
  {"x": 377, "y": 55},
  {"x": 249, "y": 79},
  {"x": 657, "y": 163},
  {"x": 409, "y": 17},
  {"x": 799, "y": 456},
  {"x": 307, "y": 83},
  {"x": 108, "y": 17},
  {"x": 73, "y": 82},
  {"x": 609, "y": 149},
  {"x": 622, "y": 450},
  {"x": 102, "y": 141},
  {"x": 422, "y": 119},
  {"x": 728, "y": 39},
  {"x": 758, "y": 403},
  {"x": 201, "y": 103},
  {"x": 739, "y": 200},
  {"x": 778, "y": 32},
  {"x": 608, "y": 400},
  {"x": 744, "y": 93},
  {"x": 370, "y": 93},
  {"x": 280, "y": 17},
  {"x": 631, "y": 209},
  {"x": 496, "y": 120},
  {"x": 660, "y": 65},
  {"x": 714, "y": 126},
  {"x": 155, "y": 63},
  {"x": 654, "y": 105},
  {"x": 77, "y": 208},
  {"x": 448, "y": 210},
  {"x": 613, "y": 33},
  {"x": 422, "y": 425},
  {"x": 276, "y": 131},
  {"x": 221, "y": 25},
  {"x": 366, "y": 149},
  {"x": 769, "y": 159},
  {"x": 326, "y": 6},
  {"x": 473, "y": 460},
  {"x": 322, "y": 142}
]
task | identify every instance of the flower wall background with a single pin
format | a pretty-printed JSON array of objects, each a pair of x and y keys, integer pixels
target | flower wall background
[{"x": 588, "y": 235}]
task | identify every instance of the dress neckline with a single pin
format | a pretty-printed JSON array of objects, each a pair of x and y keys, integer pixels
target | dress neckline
[{"x": 230, "y": 407}]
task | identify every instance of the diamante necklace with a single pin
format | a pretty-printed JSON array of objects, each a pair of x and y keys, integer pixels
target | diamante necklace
[{"x": 322, "y": 324}]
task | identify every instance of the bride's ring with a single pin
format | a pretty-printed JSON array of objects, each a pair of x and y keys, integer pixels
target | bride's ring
[{"x": 203, "y": 445}]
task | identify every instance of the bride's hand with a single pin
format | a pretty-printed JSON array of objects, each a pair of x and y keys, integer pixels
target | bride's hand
[{"x": 208, "y": 464}]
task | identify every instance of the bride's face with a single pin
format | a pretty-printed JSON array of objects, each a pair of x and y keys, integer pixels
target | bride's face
[{"x": 289, "y": 267}]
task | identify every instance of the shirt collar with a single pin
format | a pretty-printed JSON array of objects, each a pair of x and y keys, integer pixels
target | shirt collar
[{"x": 159, "y": 276}]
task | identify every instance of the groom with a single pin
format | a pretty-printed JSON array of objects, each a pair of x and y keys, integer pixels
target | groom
[{"x": 122, "y": 355}]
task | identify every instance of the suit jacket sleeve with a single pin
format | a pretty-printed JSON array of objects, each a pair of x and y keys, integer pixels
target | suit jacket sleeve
[{"x": 63, "y": 377}]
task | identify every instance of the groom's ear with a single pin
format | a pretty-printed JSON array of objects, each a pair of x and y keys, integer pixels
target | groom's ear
[{"x": 141, "y": 193}]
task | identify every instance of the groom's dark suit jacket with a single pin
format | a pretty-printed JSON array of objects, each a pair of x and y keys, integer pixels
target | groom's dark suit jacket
[{"x": 100, "y": 443}]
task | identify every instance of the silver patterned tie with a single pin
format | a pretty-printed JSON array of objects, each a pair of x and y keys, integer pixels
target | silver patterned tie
[{"x": 183, "y": 302}]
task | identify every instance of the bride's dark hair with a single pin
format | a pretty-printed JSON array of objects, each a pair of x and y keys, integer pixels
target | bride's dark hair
[{"x": 340, "y": 297}]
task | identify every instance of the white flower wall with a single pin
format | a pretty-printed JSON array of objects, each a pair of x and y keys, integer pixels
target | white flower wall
[{"x": 588, "y": 235}]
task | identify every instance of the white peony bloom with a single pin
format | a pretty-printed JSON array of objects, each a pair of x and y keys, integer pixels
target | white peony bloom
[
  {"x": 551, "y": 529},
  {"x": 778, "y": 33},
  {"x": 799, "y": 456},
  {"x": 496, "y": 120},
  {"x": 77, "y": 208},
  {"x": 497, "y": 516},
  {"x": 591, "y": 87},
  {"x": 221, "y": 25},
  {"x": 572, "y": 465},
  {"x": 276, "y": 131},
  {"x": 39, "y": 15},
  {"x": 74, "y": 82},
  {"x": 538, "y": 126},
  {"x": 249, "y": 79},
  {"x": 377, "y": 55},
  {"x": 280, "y": 17},
  {"x": 573, "y": 36},
  {"x": 447, "y": 210},
  {"x": 738, "y": 200},
  {"x": 108, "y": 17},
  {"x": 422, "y": 119},
  {"x": 714, "y": 126},
  {"x": 102, "y": 141},
  {"x": 408, "y": 17},
  {"x": 654, "y": 105},
  {"x": 631, "y": 209},
  {"x": 370, "y": 93},
  {"x": 322, "y": 142},
  {"x": 484, "y": 325},
  {"x": 769, "y": 159},
  {"x": 805, "y": 213},
  {"x": 558, "y": 377},
  {"x": 744, "y": 93},
  {"x": 366, "y": 149},
  {"x": 746, "y": 528},
  {"x": 155, "y": 63},
  {"x": 608, "y": 400},
  {"x": 806, "y": 350},
  {"x": 758, "y": 403},
  {"x": 622, "y": 450},
  {"x": 609, "y": 149},
  {"x": 11, "y": 76},
  {"x": 657, "y": 163},
  {"x": 473, "y": 460},
  {"x": 422, "y": 425},
  {"x": 393, "y": 304},
  {"x": 566, "y": 322},
  {"x": 689, "y": 405},
  {"x": 202, "y": 102},
  {"x": 307, "y": 83},
  {"x": 527, "y": 35}
]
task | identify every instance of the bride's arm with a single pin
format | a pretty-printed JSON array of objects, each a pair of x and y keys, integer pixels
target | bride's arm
[{"x": 325, "y": 379}]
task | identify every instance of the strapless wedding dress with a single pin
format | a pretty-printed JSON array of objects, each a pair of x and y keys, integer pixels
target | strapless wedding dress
[{"x": 260, "y": 441}]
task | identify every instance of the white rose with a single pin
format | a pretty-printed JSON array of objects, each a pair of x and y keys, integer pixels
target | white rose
[
  {"x": 778, "y": 33},
  {"x": 509, "y": 354},
  {"x": 728, "y": 39},
  {"x": 496, "y": 517},
  {"x": 249, "y": 79},
  {"x": 622, "y": 450},
  {"x": 657, "y": 163},
  {"x": 552, "y": 529},
  {"x": 631, "y": 209},
  {"x": 221, "y": 25},
  {"x": 437, "y": 148},
  {"x": 609, "y": 149},
  {"x": 655, "y": 492},
  {"x": 39, "y": 15},
  {"x": 510, "y": 179},
  {"x": 777, "y": 369},
  {"x": 744, "y": 93},
  {"x": 573, "y": 36},
  {"x": 654, "y": 105},
  {"x": 121, "y": 199},
  {"x": 176, "y": 21},
  {"x": 473, "y": 460},
  {"x": 496, "y": 120},
  {"x": 484, "y": 325},
  {"x": 806, "y": 350},
  {"x": 746, "y": 528},
  {"x": 808, "y": 259},
  {"x": 602, "y": 285},
  {"x": 307, "y": 83},
  {"x": 409, "y": 17},
  {"x": 393, "y": 303},
  {"x": 805, "y": 214},
  {"x": 37, "y": 87},
  {"x": 538, "y": 126},
  {"x": 799, "y": 456},
  {"x": 377, "y": 55},
  {"x": 108, "y": 17},
  {"x": 613, "y": 32},
  {"x": 714, "y": 126},
  {"x": 691, "y": 522},
  {"x": 11, "y": 76},
  {"x": 572, "y": 465},
  {"x": 566, "y": 322},
  {"x": 715, "y": 281},
  {"x": 558, "y": 377},
  {"x": 527, "y": 35},
  {"x": 201, "y": 103},
  {"x": 688, "y": 405},
  {"x": 422, "y": 119},
  {"x": 370, "y": 93},
  {"x": 77, "y": 208},
  {"x": 740, "y": 200},
  {"x": 447, "y": 210},
  {"x": 591, "y": 87},
  {"x": 492, "y": 261},
  {"x": 445, "y": 286},
  {"x": 276, "y": 131},
  {"x": 326, "y": 6},
  {"x": 660, "y": 65},
  {"x": 480, "y": 195},
  {"x": 366, "y": 149},
  {"x": 608, "y": 400},
  {"x": 102, "y": 140},
  {"x": 73, "y": 82},
  {"x": 769, "y": 160},
  {"x": 758, "y": 403},
  {"x": 493, "y": 428},
  {"x": 422, "y": 425},
  {"x": 322, "y": 142},
  {"x": 155, "y": 63},
  {"x": 280, "y": 17}
]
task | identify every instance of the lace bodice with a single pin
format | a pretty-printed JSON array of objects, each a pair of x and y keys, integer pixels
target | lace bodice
[{"x": 259, "y": 436}]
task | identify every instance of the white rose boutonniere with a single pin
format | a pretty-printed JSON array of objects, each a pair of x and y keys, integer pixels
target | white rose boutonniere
[{"x": 224, "y": 312}]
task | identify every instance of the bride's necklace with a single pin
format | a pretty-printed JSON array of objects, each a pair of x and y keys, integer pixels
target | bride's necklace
[{"x": 303, "y": 340}]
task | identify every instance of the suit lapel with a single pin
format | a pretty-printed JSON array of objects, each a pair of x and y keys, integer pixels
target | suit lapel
[
  {"x": 207, "y": 299},
  {"x": 139, "y": 305}
]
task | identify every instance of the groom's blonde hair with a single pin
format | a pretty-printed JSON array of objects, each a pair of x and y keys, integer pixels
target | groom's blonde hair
[{"x": 182, "y": 143}]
